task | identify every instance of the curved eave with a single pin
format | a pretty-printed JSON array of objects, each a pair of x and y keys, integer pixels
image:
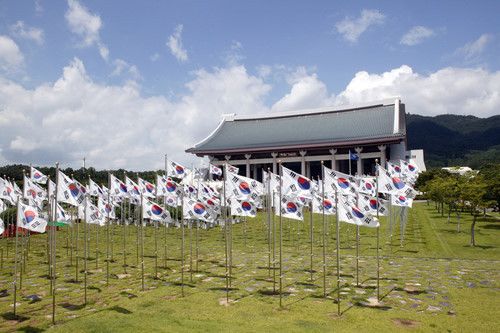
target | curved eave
[{"x": 276, "y": 148}]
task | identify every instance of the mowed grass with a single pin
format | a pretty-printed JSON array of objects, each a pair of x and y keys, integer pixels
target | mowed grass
[{"x": 434, "y": 282}]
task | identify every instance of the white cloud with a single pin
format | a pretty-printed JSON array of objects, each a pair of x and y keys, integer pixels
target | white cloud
[
  {"x": 174, "y": 43},
  {"x": 116, "y": 126},
  {"x": 351, "y": 28},
  {"x": 87, "y": 26},
  {"x": 416, "y": 35},
  {"x": 11, "y": 57},
  {"x": 155, "y": 57},
  {"x": 38, "y": 7},
  {"x": 19, "y": 29},
  {"x": 473, "y": 49},
  {"x": 121, "y": 67}
]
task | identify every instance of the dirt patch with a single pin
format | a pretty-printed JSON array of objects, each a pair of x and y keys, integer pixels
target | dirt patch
[{"x": 407, "y": 323}]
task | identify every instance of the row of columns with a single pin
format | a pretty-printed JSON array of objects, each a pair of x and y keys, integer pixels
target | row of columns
[{"x": 303, "y": 153}]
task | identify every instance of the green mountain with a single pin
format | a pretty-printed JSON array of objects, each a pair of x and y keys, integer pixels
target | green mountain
[{"x": 449, "y": 140}]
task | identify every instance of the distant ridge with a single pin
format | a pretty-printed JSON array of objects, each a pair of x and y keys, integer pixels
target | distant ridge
[{"x": 450, "y": 140}]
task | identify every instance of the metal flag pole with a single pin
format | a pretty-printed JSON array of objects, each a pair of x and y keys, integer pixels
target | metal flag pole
[
  {"x": 338, "y": 248},
  {"x": 15, "y": 259},
  {"x": 182, "y": 243},
  {"x": 281, "y": 240},
  {"x": 357, "y": 239},
  {"x": 268, "y": 202},
  {"x": 226, "y": 241},
  {"x": 324, "y": 226},
  {"x": 166, "y": 224},
  {"x": 85, "y": 243},
  {"x": 378, "y": 234},
  {"x": 107, "y": 230},
  {"x": 76, "y": 245},
  {"x": 123, "y": 205},
  {"x": 54, "y": 249},
  {"x": 141, "y": 219}
]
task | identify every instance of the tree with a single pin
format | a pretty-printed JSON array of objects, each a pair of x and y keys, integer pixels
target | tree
[{"x": 474, "y": 190}]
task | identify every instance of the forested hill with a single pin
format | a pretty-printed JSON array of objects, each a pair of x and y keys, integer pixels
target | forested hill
[{"x": 449, "y": 140}]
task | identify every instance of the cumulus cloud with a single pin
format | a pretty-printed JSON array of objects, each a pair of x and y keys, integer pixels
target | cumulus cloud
[
  {"x": 174, "y": 43},
  {"x": 87, "y": 26},
  {"x": 351, "y": 28},
  {"x": 11, "y": 57},
  {"x": 121, "y": 67},
  {"x": 416, "y": 35},
  {"x": 115, "y": 125},
  {"x": 473, "y": 49},
  {"x": 21, "y": 30}
]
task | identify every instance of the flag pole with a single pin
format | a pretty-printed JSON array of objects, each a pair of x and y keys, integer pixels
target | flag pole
[
  {"x": 324, "y": 226},
  {"x": 15, "y": 259},
  {"x": 311, "y": 239},
  {"x": 226, "y": 241},
  {"x": 166, "y": 225},
  {"x": 182, "y": 242},
  {"x": 107, "y": 231},
  {"x": 338, "y": 248},
  {"x": 281, "y": 239},
  {"x": 124, "y": 224},
  {"x": 54, "y": 242},
  {"x": 85, "y": 243},
  {"x": 141, "y": 219},
  {"x": 378, "y": 235},
  {"x": 357, "y": 240},
  {"x": 269, "y": 204}
]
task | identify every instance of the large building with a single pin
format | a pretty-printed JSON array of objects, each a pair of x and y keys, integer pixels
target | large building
[{"x": 300, "y": 140}]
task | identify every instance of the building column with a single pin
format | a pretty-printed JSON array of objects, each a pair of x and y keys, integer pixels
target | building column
[
  {"x": 302, "y": 161},
  {"x": 359, "y": 168},
  {"x": 308, "y": 170},
  {"x": 383, "y": 157},
  {"x": 334, "y": 160},
  {"x": 254, "y": 171},
  {"x": 275, "y": 163},
  {"x": 247, "y": 156}
]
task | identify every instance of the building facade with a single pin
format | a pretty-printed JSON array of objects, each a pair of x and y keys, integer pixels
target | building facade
[{"x": 301, "y": 140}]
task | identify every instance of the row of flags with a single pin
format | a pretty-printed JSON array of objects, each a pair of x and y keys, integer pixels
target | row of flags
[{"x": 355, "y": 199}]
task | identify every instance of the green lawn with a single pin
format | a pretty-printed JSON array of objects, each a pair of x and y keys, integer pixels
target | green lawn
[{"x": 434, "y": 282}]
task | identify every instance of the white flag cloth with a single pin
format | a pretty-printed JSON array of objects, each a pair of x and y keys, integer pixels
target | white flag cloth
[
  {"x": 296, "y": 185},
  {"x": 393, "y": 185},
  {"x": 61, "y": 215},
  {"x": 3, "y": 207},
  {"x": 213, "y": 203},
  {"x": 190, "y": 191},
  {"x": 33, "y": 192},
  {"x": 342, "y": 183},
  {"x": 17, "y": 190},
  {"x": 195, "y": 210},
  {"x": 94, "y": 215},
  {"x": 28, "y": 217},
  {"x": 206, "y": 189},
  {"x": 215, "y": 170},
  {"x": 155, "y": 212},
  {"x": 327, "y": 204},
  {"x": 2, "y": 227},
  {"x": 393, "y": 169},
  {"x": 95, "y": 190},
  {"x": 290, "y": 208},
  {"x": 7, "y": 191},
  {"x": 147, "y": 189},
  {"x": 172, "y": 201},
  {"x": 106, "y": 208},
  {"x": 232, "y": 169},
  {"x": 367, "y": 185},
  {"x": 51, "y": 189},
  {"x": 242, "y": 188},
  {"x": 68, "y": 191},
  {"x": 368, "y": 204},
  {"x": 409, "y": 170},
  {"x": 37, "y": 176},
  {"x": 133, "y": 190},
  {"x": 243, "y": 208},
  {"x": 401, "y": 200},
  {"x": 177, "y": 170},
  {"x": 118, "y": 188},
  {"x": 352, "y": 214},
  {"x": 166, "y": 186}
]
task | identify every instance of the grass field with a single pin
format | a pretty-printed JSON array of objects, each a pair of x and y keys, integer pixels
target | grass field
[{"x": 434, "y": 282}]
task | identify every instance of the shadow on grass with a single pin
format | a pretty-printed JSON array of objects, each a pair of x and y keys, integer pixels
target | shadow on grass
[
  {"x": 267, "y": 292},
  {"x": 12, "y": 316},
  {"x": 127, "y": 294},
  {"x": 95, "y": 288},
  {"x": 378, "y": 307},
  {"x": 30, "y": 329},
  {"x": 495, "y": 226},
  {"x": 223, "y": 289},
  {"x": 72, "y": 307},
  {"x": 185, "y": 284},
  {"x": 483, "y": 247},
  {"x": 119, "y": 309}
]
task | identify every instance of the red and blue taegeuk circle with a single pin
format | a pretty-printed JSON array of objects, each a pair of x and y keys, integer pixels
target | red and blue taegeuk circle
[
  {"x": 291, "y": 207},
  {"x": 157, "y": 210},
  {"x": 304, "y": 184},
  {"x": 343, "y": 183},
  {"x": 179, "y": 170},
  {"x": 73, "y": 189},
  {"x": 29, "y": 215},
  {"x": 244, "y": 188},
  {"x": 373, "y": 204},
  {"x": 357, "y": 213},
  {"x": 246, "y": 206},
  {"x": 171, "y": 187},
  {"x": 327, "y": 204},
  {"x": 398, "y": 183},
  {"x": 199, "y": 208}
]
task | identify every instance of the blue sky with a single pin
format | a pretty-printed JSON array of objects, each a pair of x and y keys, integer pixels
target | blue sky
[{"x": 188, "y": 62}]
